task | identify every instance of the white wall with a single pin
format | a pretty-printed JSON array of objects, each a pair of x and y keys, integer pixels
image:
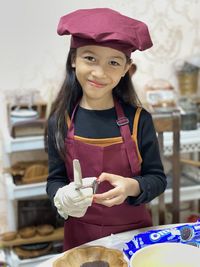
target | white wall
[{"x": 32, "y": 55}]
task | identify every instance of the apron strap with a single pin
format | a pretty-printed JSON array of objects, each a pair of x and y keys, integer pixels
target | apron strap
[
  {"x": 135, "y": 130},
  {"x": 70, "y": 123},
  {"x": 131, "y": 149}
]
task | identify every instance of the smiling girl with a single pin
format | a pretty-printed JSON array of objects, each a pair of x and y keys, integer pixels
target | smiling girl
[{"x": 98, "y": 119}]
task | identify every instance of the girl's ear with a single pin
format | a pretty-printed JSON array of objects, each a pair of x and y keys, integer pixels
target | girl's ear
[
  {"x": 73, "y": 61},
  {"x": 132, "y": 69},
  {"x": 126, "y": 69}
]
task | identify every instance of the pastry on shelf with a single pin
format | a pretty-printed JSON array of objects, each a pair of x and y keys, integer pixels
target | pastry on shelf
[
  {"x": 8, "y": 236},
  {"x": 91, "y": 256},
  {"x": 45, "y": 229},
  {"x": 27, "y": 232}
]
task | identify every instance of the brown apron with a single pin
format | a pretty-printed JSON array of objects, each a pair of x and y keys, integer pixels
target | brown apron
[{"x": 120, "y": 158}]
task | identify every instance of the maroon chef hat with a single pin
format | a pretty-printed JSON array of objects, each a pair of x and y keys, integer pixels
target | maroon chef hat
[{"x": 105, "y": 27}]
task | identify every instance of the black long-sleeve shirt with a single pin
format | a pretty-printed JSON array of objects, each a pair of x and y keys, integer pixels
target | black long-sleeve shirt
[{"x": 102, "y": 124}]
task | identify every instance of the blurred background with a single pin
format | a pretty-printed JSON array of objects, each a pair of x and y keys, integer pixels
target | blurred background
[{"x": 33, "y": 56}]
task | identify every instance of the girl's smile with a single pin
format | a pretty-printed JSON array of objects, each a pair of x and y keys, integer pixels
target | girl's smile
[{"x": 96, "y": 84}]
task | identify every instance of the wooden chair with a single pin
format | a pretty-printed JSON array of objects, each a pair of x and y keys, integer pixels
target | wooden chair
[{"x": 170, "y": 122}]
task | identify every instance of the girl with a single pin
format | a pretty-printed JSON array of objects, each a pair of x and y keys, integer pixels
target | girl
[{"x": 97, "y": 119}]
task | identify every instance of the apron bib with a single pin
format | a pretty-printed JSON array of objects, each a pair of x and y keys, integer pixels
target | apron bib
[{"x": 120, "y": 159}]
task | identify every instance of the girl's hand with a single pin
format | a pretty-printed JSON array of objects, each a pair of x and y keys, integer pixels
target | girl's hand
[{"x": 123, "y": 187}]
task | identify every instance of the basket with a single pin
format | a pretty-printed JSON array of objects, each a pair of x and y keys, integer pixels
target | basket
[
  {"x": 29, "y": 172},
  {"x": 35, "y": 173}
]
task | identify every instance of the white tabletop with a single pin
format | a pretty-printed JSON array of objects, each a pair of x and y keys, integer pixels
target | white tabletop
[{"x": 115, "y": 241}]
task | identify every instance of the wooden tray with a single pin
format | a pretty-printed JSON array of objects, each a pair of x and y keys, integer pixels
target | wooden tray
[
  {"x": 25, "y": 254},
  {"x": 57, "y": 235}
]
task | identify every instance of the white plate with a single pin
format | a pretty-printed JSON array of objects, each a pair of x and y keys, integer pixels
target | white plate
[
  {"x": 166, "y": 255},
  {"x": 24, "y": 113},
  {"x": 20, "y": 115}
]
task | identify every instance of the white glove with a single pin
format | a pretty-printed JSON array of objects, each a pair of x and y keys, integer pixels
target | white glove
[{"x": 72, "y": 202}]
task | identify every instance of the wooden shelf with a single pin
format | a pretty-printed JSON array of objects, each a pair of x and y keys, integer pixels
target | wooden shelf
[
  {"x": 26, "y": 191},
  {"x": 57, "y": 235}
]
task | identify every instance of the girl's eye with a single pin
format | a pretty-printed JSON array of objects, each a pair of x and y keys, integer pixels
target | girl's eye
[
  {"x": 114, "y": 63},
  {"x": 90, "y": 58}
]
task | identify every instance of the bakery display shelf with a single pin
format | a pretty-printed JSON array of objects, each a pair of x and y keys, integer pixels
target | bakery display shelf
[
  {"x": 23, "y": 144},
  {"x": 11, "y": 144},
  {"x": 57, "y": 235},
  {"x": 16, "y": 192},
  {"x": 187, "y": 193},
  {"x": 189, "y": 141},
  {"x": 190, "y": 190}
]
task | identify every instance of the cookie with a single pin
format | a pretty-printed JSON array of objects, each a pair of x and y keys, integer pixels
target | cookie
[
  {"x": 95, "y": 264},
  {"x": 186, "y": 233}
]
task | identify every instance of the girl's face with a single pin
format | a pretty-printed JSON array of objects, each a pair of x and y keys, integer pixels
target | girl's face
[{"x": 98, "y": 70}]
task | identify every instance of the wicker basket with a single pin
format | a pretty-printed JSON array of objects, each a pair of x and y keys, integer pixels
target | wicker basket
[{"x": 35, "y": 174}]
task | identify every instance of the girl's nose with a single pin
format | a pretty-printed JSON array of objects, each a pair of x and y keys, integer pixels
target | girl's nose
[{"x": 99, "y": 72}]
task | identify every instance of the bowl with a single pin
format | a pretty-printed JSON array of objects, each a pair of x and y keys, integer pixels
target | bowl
[
  {"x": 85, "y": 256},
  {"x": 166, "y": 255}
]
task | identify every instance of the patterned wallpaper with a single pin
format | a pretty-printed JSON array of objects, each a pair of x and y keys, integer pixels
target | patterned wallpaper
[
  {"x": 37, "y": 54},
  {"x": 174, "y": 27}
]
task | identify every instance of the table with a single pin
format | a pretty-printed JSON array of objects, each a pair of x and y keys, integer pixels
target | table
[{"x": 115, "y": 241}]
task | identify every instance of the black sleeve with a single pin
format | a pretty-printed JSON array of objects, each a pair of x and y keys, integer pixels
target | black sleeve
[
  {"x": 57, "y": 176},
  {"x": 152, "y": 180}
]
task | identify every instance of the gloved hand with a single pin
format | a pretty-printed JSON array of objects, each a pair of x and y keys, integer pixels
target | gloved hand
[{"x": 72, "y": 202}]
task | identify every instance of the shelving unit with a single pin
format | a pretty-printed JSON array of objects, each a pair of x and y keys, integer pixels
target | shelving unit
[
  {"x": 187, "y": 193},
  {"x": 24, "y": 144},
  {"x": 189, "y": 143},
  {"x": 17, "y": 192},
  {"x": 21, "y": 192}
]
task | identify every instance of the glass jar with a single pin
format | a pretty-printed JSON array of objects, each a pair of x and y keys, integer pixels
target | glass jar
[
  {"x": 160, "y": 95},
  {"x": 187, "y": 79},
  {"x": 188, "y": 114}
]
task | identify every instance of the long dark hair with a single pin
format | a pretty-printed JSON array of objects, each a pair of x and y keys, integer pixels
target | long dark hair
[{"x": 71, "y": 92}]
